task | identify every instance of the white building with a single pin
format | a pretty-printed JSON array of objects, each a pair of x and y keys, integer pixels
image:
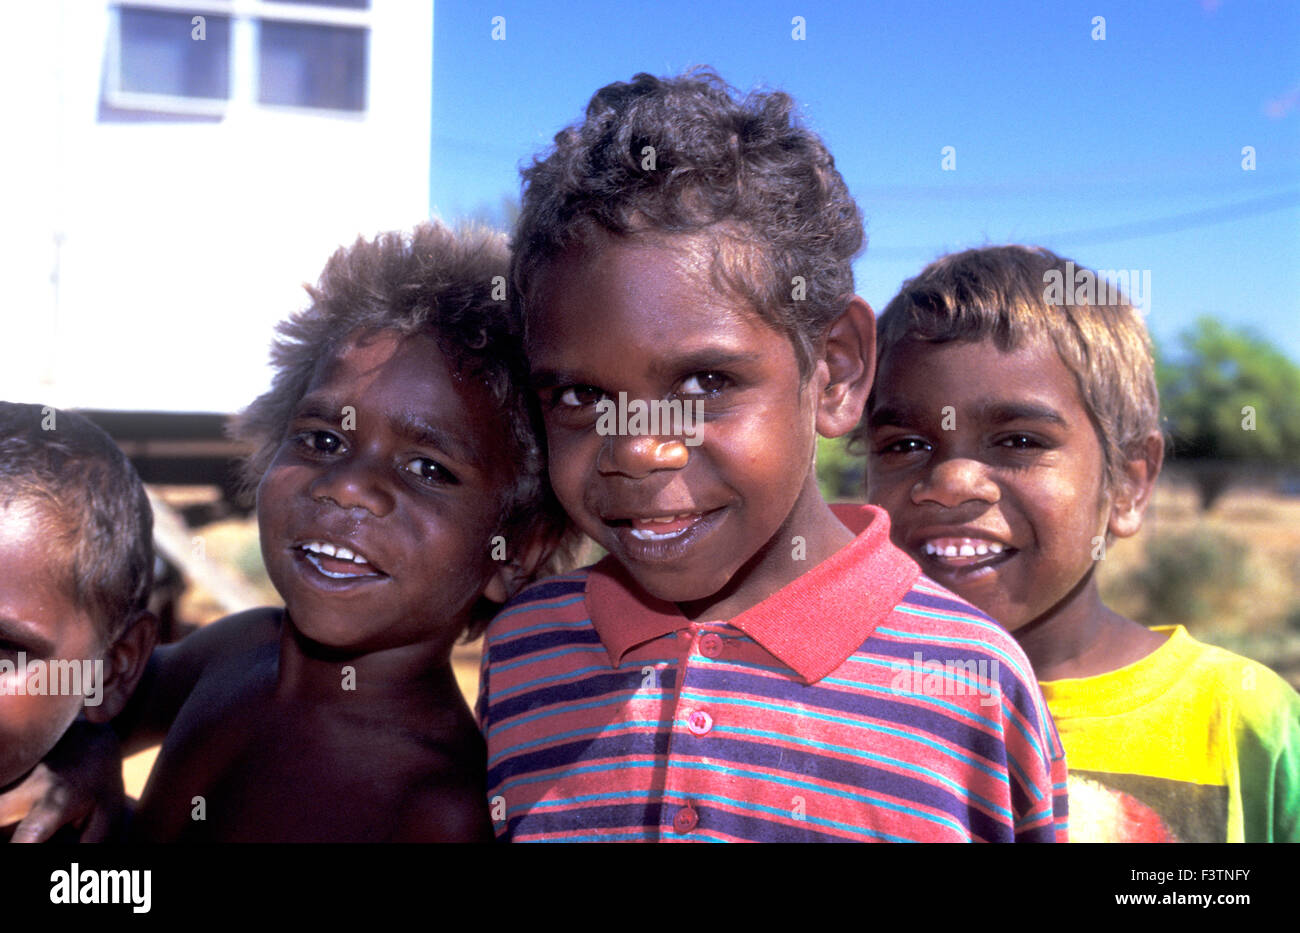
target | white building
[{"x": 174, "y": 171}]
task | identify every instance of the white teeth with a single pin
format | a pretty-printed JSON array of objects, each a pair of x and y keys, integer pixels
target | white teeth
[
  {"x": 977, "y": 549},
  {"x": 337, "y": 552},
  {"x": 334, "y": 575}
]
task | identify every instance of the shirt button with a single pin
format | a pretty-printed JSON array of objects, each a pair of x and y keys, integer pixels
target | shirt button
[
  {"x": 711, "y": 645},
  {"x": 699, "y": 722},
  {"x": 685, "y": 819}
]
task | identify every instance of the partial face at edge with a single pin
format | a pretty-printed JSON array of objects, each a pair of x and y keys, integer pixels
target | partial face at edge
[{"x": 38, "y": 619}]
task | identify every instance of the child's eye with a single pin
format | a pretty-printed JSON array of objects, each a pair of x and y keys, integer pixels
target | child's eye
[
  {"x": 904, "y": 445},
  {"x": 431, "y": 471},
  {"x": 707, "y": 383},
  {"x": 577, "y": 396},
  {"x": 1019, "y": 442},
  {"x": 321, "y": 442}
]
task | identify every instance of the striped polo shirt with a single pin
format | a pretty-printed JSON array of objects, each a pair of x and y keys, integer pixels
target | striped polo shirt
[{"x": 861, "y": 702}]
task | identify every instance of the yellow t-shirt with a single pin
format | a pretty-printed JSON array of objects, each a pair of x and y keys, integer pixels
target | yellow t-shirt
[{"x": 1190, "y": 744}]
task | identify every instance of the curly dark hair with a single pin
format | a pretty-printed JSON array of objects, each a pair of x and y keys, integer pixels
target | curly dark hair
[
  {"x": 687, "y": 155},
  {"x": 90, "y": 500},
  {"x": 449, "y": 285}
]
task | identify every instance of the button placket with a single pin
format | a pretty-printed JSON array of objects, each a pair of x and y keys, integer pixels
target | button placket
[
  {"x": 711, "y": 645},
  {"x": 699, "y": 722},
  {"x": 694, "y": 645}
]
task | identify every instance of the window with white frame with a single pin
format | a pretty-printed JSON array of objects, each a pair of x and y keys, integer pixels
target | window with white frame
[{"x": 202, "y": 57}]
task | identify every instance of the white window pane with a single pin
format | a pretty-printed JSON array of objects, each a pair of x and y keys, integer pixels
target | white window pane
[
  {"x": 313, "y": 66},
  {"x": 158, "y": 54}
]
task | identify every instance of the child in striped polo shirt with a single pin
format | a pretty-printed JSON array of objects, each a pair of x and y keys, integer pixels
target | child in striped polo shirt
[{"x": 741, "y": 665}]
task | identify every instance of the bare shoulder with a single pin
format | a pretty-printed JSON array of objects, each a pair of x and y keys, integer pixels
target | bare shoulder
[
  {"x": 243, "y": 630},
  {"x": 225, "y": 638},
  {"x": 175, "y": 670},
  {"x": 218, "y": 664}
]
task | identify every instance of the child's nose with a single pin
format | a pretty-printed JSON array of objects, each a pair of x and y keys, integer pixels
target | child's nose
[
  {"x": 641, "y": 454},
  {"x": 353, "y": 484},
  {"x": 954, "y": 481}
]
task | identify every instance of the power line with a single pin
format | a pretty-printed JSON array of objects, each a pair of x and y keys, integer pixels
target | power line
[{"x": 1129, "y": 231}]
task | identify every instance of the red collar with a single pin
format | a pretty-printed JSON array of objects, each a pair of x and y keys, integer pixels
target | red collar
[{"x": 811, "y": 625}]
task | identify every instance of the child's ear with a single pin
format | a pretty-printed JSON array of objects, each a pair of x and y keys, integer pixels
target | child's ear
[
  {"x": 511, "y": 574},
  {"x": 1140, "y": 472},
  {"x": 850, "y": 358},
  {"x": 124, "y": 663}
]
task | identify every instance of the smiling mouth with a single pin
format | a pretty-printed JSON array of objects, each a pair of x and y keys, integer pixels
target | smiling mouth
[
  {"x": 965, "y": 553},
  {"x": 337, "y": 561},
  {"x": 665, "y": 537},
  {"x": 661, "y": 527}
]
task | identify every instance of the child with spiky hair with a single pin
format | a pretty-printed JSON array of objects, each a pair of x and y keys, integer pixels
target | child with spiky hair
[
  {"x": 77, "y": 547},
  {"x": 1014, "y": 430},
  {"x": 400, "y": 498},
  {"x": 733, "y": 669}
]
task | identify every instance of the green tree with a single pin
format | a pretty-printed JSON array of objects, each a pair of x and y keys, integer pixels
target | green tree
[
  {"x": 840, "y": 474},
  {"x": 1231, "y": 400}
]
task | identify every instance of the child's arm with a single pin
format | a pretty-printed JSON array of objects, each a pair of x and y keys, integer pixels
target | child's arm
[
  {"x": 1037, "y": 762},
  {"x": 1267, "y": 734},
  {"x": 174, "y": 670},
  {"x": 1286, "y": 785},
  {"x": 496, "y": 805},
  {"x": 79, "y": 783}
]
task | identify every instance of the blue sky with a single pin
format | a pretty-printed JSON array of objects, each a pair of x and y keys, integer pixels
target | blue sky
[{"x": 1124, "y": 153}]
